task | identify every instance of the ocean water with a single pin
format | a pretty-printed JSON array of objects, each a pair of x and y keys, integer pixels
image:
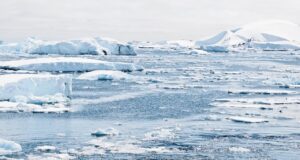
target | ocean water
[{"x": 216, "y": 106}]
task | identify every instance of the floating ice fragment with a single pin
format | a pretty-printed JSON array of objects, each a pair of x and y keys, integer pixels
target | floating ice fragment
[
  {"x": 247, "y": 120},
  {"x": 9, "y": 147}
]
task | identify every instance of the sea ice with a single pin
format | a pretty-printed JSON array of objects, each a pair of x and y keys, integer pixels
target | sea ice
[
  {"x": 104, "y": 75},
  {"x": 247, "y": 119},
  {"x": 45, "y": 148}
]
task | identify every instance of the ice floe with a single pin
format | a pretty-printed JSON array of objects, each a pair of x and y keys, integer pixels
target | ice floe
[
  {"x": 50, "y": 156},
  {"x": 88, "y": 46},
  {"x": 9, "y": 147},
  {"x": 247, "y": 119},
  {"x": 107, "y": 132},
  {"x": 261, "y": 91},
  {"x": 67, "y": 64},
  {"x": 128, "y": 146},
  {"x": 45, "y": 148},
  {"x": 272, "y": 35},
  {"x": 104, "y": 75},
  {"x": 160, "y": 134},
  {"x": 239, "y": 149}
]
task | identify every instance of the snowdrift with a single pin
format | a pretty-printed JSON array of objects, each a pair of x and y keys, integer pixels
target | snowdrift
[
  {"x": 92, "y": 46},
  {"x": 266, "y": 36},
  {"x": 67, "y": 64}
]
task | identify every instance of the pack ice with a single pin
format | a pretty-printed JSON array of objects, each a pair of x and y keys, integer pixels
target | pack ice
[
  {"x": 272, "y": 35},
  {"x": 34, "y": 92},
  {"x": 67, "y": 64},
  {"x": 88, "y": 46}
]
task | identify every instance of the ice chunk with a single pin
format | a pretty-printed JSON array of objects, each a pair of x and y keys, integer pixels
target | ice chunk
[
  {"x": 198, "y": 52},
  {"x": 45, "y": 148},
  {"x": 161, "y": 134},
  {"x": 13, "y": 86},
  {"x": 104, "y": 75},
  {"x": 67, "y": 64},
  {"x": 247, "y": 119},
  {"x": 9, "y": 147},
  {"x": 239, "y": 149},
  {"x": 107, "y": 132}
]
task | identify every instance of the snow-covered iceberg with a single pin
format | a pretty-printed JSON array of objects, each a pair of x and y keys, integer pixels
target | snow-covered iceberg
[
  {"x": 34, "y": 92},
  {"x": 67, "y": 64},
  {"x": 88, "y": 46},
  {"x": 9, "y": 147},
  {"x": 267, "y": 36}
]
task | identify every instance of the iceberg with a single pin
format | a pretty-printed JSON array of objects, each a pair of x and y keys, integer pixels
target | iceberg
[
  {"x": 266, "y": 36},
  {"x": 39, "y": 85},
  {"x": 9, "y": 147},
  {"x": 67, "y": 64},
  {"x": 88, "y": 46},
  {"x": 39, "y": 93}
]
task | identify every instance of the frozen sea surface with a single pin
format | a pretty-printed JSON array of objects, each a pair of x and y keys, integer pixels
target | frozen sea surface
[{"x": 215, "y": 106}]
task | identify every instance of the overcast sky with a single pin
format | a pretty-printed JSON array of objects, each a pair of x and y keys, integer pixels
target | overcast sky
[{"x": 126, "y": 20}]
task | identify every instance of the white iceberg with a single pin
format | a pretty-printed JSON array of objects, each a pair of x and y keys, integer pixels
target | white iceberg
[
  {"x": 267, "y": 36},
  {"x": 88, "y": 46},
  {"x": 40, "y": 93},
  {"x": 222, "y": 42},
  {"x": 14, "y": 85},
  {"x": 104, "y": 75},
  {"x": 67, "y": 64},
  {"x": 9, "y": 147}
]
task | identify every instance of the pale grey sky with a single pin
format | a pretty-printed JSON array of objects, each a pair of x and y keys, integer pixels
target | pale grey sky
[{"x": 126, "y": 20}]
